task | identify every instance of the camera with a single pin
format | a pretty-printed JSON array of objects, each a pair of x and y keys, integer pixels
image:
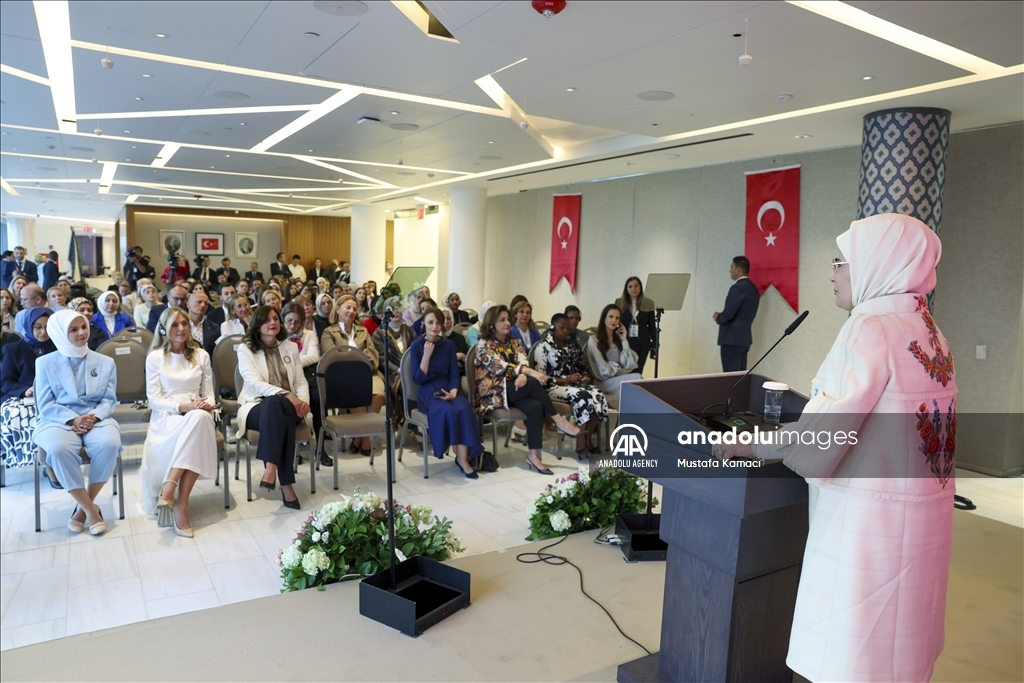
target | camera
[
  {"x": 172, "y": 259},
  {"x": 198, "y": 260}
]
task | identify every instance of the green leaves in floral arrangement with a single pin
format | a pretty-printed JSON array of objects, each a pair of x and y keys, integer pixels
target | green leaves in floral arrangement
[
  {"x": 349, "y": 539},
  {"x": 584, "y": 501}
]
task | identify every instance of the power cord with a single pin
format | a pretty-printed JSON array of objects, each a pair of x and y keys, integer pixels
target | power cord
[{"x": 552, "y": 559}]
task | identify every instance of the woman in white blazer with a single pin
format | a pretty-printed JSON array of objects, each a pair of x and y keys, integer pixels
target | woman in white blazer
[
  {"x": 274, "y": 398},
  {"x": 239, "y": 314},
  {"x": 76, "y": 392}
]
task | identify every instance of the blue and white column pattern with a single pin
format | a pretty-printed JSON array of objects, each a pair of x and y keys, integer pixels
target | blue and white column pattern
[{"x": 903, "y": 163}]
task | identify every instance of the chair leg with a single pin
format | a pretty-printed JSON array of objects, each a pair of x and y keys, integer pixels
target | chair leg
[
  {"x": 227, "y": 472},
  {"x": 335, "y": 462},
  {"x": 401, "y": 444},
  {"x": 115, "y": 479},
  {"x": 236, "y": 459},
  {"x": 3, "y": 474},
  {"x": 426, "y": 438},
  {"x": 248, "y": 473},
  {"x": 39, "y": 521},
  {"x": 494, "y": 437},
  {"x": 313, "y": 444},
  {"x": 508, "y": 434},
  {"x": 120, "y": 499}
]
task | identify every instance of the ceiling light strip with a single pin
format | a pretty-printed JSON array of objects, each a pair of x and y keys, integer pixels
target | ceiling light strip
[
  {"x": 7, "y": 187},
  {"x": 107, "y": 176},
  {"x": 62, "y": 218},
  {"x": 218, "y": 111},
  {"x": 54, "y": 22},
  {"x": 18, "y": 73},
  {"x": 493, "y": 90},
  {"x": 339, "y": 169},
  {"x": 319, "y": 111},
  {"x": 131, "y": 199},
  {"x": 164, "y": 155},
  {"x": 893, "y": 33},
  {"x": 330, "y": 207}
]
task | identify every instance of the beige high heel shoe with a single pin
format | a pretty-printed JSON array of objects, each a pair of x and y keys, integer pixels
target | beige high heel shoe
[{"x": 164, "y": 516}]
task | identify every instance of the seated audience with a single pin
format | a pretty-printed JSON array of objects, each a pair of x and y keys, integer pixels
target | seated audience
[
  {"x": 179, "y": 271},
  {"x": 149, "y": 298},
  {"x": 400, "y": 337},
  {"x": 177, "y": 295},
  {"x": 518, "y": 298},
  {"x": 84, "y": 306},
  {"x": 425, "y": 305},
  {"x": 7, "y": 309},
  {"x": 524, "y": 330},
  {"x": 239, "y": 313},
  {"x": 345, "y": 330},
  {"x": 309, "y": 355},
  {"x": 454, "y": 302},
  {"x": 17, "y": 284},
  {"x": 274, "y": 399},
  {"x": 322, "y": 319},
  {"x": 181, "y": 444},
  {"x": 473, "y": 333},
  {"x": 318, "y": 271},
  {"x": 205, "y": 331},
  {"x": 272, "y": 298},
  {"x": 230, "y": 274},
  {"x": 256, "y": 291},
  {"x": 435, "y": 368},
  {"x": 560, "y": 358},
  {"x": 505, "y": 379},
  {"x": 414, "y": 305},
  {"x": 363, "y": 301},
  {"x": 30, "y": 296},
  {"x": 609, "y": 355},
  {"x": 17, "y": 375},
  {"x": 573, "y": 315},
  {"x": 127, "y": 306},
  {"x": 75, "y": 396},
  {"x": 461, "y": 347},
  {"x": 56, "y": 298},
  {"x": 219, "y": 313},
  {"x": 109, "y": 318}
]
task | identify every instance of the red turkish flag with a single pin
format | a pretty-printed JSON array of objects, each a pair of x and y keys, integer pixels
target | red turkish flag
[
  {"x": 565, "y": 238},
  {"x": 210, "y": 243},
  {"x": 773, "y": 231}
]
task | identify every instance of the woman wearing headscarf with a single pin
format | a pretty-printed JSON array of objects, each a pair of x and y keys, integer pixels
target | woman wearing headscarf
[
  {"x": 17, "y": 374},
  {"x": 84, "y": 306},
  {"x": 75, "y": 392},
  {"x": 473, "y": 333},
  {"x": 322, "y": 319},
  {"x": 109, "y": 318},
  {"x": 181, "y": 444},
  {"x": 274, "y": 398},
  {"x": 149, "y": 297},
  {"x": 872, "y": 595},
  {"x": 399, "y": 338}
]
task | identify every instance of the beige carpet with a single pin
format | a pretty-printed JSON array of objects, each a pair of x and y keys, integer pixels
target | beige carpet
[{"x": 527, "y": 623}]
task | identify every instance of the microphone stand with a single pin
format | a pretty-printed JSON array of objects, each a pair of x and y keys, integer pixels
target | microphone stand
[
  {"x": 657, "y": 356},
  {"x": 389, "y": 448}
]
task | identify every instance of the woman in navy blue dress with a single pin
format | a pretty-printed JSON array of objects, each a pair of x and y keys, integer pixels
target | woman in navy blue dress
[{"x": 435, "y": 369}]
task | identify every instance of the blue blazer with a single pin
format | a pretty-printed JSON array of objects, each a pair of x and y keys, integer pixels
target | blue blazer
[
  {"x": 7, "y": 269},
  {"x": 57, "y": 398},
  {"x": 738, "y": 315},
  {"x": 534, "y": 336},
  {"x": 50, "y": 274},
  {"x": 30, "y": 272},
  {"x": 121, "y": 321},
  {"x": 18, "y": 369}
]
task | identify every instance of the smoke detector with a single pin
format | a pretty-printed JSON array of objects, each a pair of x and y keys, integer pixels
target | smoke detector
[
  {"x": 784, "y": 97},
  {"x": 97, "y": 131},
  {"x": 107, "y": 63},
  {"x": 524, "y": 124}
]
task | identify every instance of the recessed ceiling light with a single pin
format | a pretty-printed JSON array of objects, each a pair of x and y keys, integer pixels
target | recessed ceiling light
[
  {"x": 737, "y": 35},
  {"x": 669, "y": 155},
  {"x": 243, "y": 123},
  {"x": 310, "y": 151},
  {"x": 570, "y": 90},
  {"x": 127, "y": 131},
  {"x": 211, "y": 167},
  {"x": 160, "y": 35},
  {"x": 784, "y": 97},
  {"x": 230, "y": 95},
  {"x": 490, "y": 142},
  {"x": 394, "y": 113},
  {"x": 866, "y": 78},
  {"x": 655, "y": 95},
  {"x": 227, "y": 155},
  {"x": 135, "y": 146},
  {"x": 139, "y": 99},
  {"x": 404, "y": 126},
  {"x": 146, "y": 76},
  {"x": 802, "y": 136}
]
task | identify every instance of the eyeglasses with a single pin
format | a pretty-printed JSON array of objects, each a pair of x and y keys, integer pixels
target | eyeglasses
[{"x": 836, "y": 263}]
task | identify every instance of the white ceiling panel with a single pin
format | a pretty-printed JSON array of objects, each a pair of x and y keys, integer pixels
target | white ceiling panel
[
  {"x": 171, "y": 86},
  {"x": 26, "y": 103},
  {"x": 207, "y": 30},
  {"x": 261, "y": 92},
  {"x": 456, "y": 14},
  {"x": 22, "y": 53},
  {"x": 929, "y": 18},
  {"x": 226, "y": 130},
  {"x": 998, "y": 38}
]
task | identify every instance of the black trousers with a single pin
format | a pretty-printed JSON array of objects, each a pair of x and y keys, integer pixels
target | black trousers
[
  {"x": 734, "y": 357},
  {"x": 275, "y": 419},
  {"x": 533, "y": 400}
]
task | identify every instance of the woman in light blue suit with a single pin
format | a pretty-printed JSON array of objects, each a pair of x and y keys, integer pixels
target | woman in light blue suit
[{"x": 75, "y": 392}]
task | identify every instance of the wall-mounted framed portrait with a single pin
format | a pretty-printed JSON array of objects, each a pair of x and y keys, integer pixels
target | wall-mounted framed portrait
[
  {"x": 210, "y": 243},
  {"x": 247, "y": 245},
  {"x": 171, "y": 241}
]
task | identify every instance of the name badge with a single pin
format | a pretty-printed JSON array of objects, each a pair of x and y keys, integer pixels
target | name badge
[
  {"x": 288, "y": 360},
  {"x": 634, "y": 330}
]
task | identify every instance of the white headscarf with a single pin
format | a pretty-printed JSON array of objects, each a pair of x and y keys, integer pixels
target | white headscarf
[
  {"x": 319, "y": 298},
  {"x": 483, "y": 311},
  {"x": 890, "y": 253},
  {"x": 57, "y": 327}
]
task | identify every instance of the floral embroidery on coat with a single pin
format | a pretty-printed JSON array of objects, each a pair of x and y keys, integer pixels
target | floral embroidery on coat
[
  {"x": 938, "y": 439},
  {"x": 939, "y": 366}
]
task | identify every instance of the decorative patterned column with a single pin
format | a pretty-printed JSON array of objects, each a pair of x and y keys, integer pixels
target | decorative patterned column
[{"x": 903, "y": 163}]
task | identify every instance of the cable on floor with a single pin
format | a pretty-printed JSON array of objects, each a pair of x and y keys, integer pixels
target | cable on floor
[{"x": 552, "y": 559}]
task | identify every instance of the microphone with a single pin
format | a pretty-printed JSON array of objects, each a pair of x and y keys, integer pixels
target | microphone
[{"x": 725, "y": 421}]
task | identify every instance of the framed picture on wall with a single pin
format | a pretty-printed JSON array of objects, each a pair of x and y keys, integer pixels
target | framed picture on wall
[
  {"x": 171, "y": 241},
  {"x": 247, "y": 245},
  {"x": 210, "y": 243}
]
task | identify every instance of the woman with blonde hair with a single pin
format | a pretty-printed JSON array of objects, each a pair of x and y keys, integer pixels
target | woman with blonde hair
[
  {"x": 181, "y": 444},
  {"x": 272, "y": 298},
  {"x": 239, "y": 314}
]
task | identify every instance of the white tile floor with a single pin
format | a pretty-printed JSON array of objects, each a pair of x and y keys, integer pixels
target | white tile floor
[{"x": 57, "y": 584}]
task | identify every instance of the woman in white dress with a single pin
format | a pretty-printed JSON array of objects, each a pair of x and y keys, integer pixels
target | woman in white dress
[
  {"x": 872, "y": 596},
  {"x": 610, "y": 356},
  {"x": 181, "y": 445},
  {"x": 239, "y": 314}
]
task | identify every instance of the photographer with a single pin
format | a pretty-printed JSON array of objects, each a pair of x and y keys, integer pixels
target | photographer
[
  {"x": 132, "y": 266},
  {"x": 177, "y": 269}
]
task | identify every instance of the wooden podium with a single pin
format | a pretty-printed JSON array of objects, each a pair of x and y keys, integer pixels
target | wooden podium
[{"x": 735, "y": 539}]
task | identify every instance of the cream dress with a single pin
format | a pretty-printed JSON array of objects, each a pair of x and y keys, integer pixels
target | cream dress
[{"x": 174, "y": 440}]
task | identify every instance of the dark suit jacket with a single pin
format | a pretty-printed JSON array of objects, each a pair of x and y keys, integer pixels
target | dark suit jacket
[
  {"x": 211, "y": 276},
  {"x": 211, "y": 333},
  {"x": 341, "y": 276},
  {"x": 250, "y": 276},
  {"x": 216, "y": 315},
  {"x": 7, "y": 269},
  {"x": 736, "y": 318},
  {"x": 19, "y": 370},
  {"x": 644, "y": 341},
  {"x": 277, "y": 269},
  {"x": 50, "y": 274},
  {"x": 29, "y": 270},
  {"x": 232, "y": 274},
  {"x": 313, "y": 274},
  {"x": 154, "y": 316}
]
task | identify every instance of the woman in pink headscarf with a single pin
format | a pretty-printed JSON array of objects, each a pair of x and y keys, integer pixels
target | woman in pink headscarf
[{"x": 872, "y": 598}]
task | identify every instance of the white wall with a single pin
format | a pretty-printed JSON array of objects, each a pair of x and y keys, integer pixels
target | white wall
[
  {"x": 53, "y": 233},
  {"x": 424, "y": 243}
]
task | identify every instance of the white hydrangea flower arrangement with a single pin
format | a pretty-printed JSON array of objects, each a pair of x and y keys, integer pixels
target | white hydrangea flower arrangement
[
  {"x": 585, "y": 500},
  {"x": 348, "y": 539}
]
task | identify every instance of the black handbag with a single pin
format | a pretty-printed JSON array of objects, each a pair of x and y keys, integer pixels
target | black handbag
[{"x": 488, "y": 463}]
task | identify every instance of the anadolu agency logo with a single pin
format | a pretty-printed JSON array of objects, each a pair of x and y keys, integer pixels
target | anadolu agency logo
[{"x": 629, "y": 448}]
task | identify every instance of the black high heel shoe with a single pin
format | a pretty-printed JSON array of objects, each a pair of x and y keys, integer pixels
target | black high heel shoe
[
  {"x": 540, "y": 470},
  {"x": 268, "y": 485},
  {"x": 469, "y": 475},
  {"x": 291, "y": 504}
]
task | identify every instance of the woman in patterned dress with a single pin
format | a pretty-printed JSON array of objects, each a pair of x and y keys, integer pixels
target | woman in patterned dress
[
  {"x": 559, "y": 357},
  {"x": 18, "y": 405}
]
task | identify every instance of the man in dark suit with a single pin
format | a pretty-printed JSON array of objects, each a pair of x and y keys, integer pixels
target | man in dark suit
[
  {"x": 7, "y": 268},
  {"x": 343, "y": 274},
  {"x": 253, "y": 273},
  {"x": 227, "y": 270},
  {"x": 220, "y": 314},
  {"x": 318, "y": 271},
  {"x": 734, "y": 321},
  {"x": 24, "y": 266},
  {"x": 176, "y": 296},
  {"x": 204, "y": 330},
  {"x": 204, "y": 274},
  {"x": 280, "y": 267}
]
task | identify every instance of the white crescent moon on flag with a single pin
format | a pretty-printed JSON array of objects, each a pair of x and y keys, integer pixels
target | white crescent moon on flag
[
  {"x": 768, "y": 206},
  {"x": 565, "y": 221}
]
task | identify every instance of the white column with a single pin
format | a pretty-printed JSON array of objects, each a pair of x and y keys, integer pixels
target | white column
[
  {"x": 369, "y": 232},
  {"x": 467, "y": 227}
]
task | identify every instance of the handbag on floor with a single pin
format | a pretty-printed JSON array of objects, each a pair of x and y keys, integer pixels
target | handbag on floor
[{"x": 488, "y": 463}]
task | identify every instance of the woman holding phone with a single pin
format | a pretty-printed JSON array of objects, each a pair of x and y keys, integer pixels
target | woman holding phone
[{"x": 610, "y": 356}]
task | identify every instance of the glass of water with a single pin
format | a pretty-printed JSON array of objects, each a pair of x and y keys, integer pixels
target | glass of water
[{"x": 773, "y": 392}]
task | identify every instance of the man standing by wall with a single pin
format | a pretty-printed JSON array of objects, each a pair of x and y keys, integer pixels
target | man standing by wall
[
  {"x": 24, "y": 266},
  {"x": 734, "y": 321},
  {"x": 280, "y": 267},
  {"x": 297, "y": 270}
]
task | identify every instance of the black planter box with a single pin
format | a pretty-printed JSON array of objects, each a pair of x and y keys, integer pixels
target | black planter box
[
  {"x": 426, "y": 592},
  {"x": 638, "y": 543}
]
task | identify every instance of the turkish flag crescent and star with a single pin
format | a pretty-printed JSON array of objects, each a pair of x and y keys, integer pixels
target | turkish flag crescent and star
[
  {"x": 565, "y": 238},
  {"x": 210, "y": 243},
  {"x": 773, "y": 231}
]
